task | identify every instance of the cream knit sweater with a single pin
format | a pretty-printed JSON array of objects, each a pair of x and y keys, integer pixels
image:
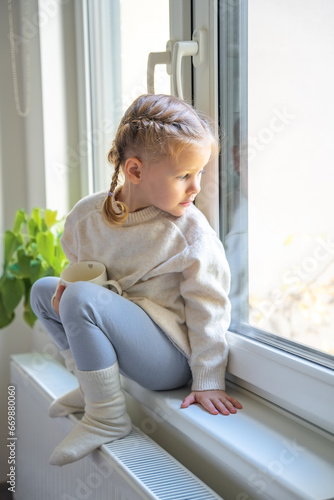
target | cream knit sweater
[{"x": 172, "y": 267}]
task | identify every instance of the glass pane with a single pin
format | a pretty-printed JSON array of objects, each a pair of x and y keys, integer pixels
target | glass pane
[
  {"x": 129, "y": 30},
  {"x": 234, "y": 161},
  {"x": 144, "y": 29},
  {"x": 286, "y": 152}
]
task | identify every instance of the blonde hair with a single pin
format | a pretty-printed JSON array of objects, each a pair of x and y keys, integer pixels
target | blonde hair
[{"x": 154, "y": 127}]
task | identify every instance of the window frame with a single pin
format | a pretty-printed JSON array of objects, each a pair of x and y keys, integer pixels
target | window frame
[
  {"x": 100, "y": 112},
  {"x": 299, "y": 386},
  {"x": 293, "y": 383}
]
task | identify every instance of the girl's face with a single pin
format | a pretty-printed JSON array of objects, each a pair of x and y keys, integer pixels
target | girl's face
[{"x": 173, "y": 185}]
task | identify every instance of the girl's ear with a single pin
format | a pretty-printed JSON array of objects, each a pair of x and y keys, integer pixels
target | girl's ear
[{"x": 133, "y": 170}]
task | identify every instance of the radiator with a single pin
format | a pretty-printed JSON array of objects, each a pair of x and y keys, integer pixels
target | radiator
[{"x": 132, "y": 468}]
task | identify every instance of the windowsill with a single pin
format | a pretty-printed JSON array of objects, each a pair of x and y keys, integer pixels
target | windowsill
[
  {"x": 258, "y": 453},
  {"x": 266, "y": 450},
  {"x": 303, "y": 388}
]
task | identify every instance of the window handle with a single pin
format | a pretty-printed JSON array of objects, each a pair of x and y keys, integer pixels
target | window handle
[
  {"x": 155, "y": 58},
  {"x": 172, "y": 57},
  {"x": 197, "y": 48}
]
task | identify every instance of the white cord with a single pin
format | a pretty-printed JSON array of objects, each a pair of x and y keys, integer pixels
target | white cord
[{"x": 21, "y": 113}]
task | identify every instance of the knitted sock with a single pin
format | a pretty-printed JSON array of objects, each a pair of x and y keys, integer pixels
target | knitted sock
[
  {"x": 72, "y": 402},
  {"x": 69, "y": 361},
  {"x": 105, "y": 416}
]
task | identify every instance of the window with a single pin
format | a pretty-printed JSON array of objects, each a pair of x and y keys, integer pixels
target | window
[
  {"x": 121, "y": 35},
  {"x": 260, "y": 80},
  {"x": 290, "y": 171},
  {"x": 277, "y": 204},
  {"x": 268, "y": 196}
]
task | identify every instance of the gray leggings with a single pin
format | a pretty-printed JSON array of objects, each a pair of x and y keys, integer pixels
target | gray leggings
[{"x": 101, "y": 327}]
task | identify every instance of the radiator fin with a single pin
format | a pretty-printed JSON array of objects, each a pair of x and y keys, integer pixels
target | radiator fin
[{"x": 158, "y": 471}]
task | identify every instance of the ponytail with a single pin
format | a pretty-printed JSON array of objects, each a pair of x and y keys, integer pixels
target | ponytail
[{"x": 114, "y": 211}]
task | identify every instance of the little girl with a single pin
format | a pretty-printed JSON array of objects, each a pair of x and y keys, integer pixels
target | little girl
[{"x": 169, "y": 325}]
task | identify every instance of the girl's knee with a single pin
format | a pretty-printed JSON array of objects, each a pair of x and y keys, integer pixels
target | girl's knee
[
  {"x": 42, "y": 291},
  {"x": 78, "y": 308},
  {"x": 83, "y": 293},
  {"x": 77, "y": 298},
  {"x": 76, "y": 293}
]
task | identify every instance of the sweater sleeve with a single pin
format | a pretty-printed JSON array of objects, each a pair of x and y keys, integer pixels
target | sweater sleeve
[
  {"x": 207, "y": 308},
  {"x": 69, "y": 239}
]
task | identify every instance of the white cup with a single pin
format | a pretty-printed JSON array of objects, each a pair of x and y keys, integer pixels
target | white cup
[{"x": 94, "y": 272}]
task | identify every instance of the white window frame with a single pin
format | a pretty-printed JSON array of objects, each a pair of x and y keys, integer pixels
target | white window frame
[
  {"x": 101, "y": 113},
  {"x": 295, "y": 384}
]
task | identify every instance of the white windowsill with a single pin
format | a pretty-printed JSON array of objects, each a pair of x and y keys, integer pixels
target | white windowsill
[
  {"x": 298, "y": 385},
  {"x": 258, "y": 453}
]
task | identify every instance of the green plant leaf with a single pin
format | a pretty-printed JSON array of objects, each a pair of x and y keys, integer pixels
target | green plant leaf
[
  {"x": 28, "y": 314},
  {"x": 33, "y": 228},
  {"x": 23, "y": 264},
  {"x": 62, "y": 265},
  {"x": 37, "y": 218},
  {"x": 50, "y": 217},
  {"x": 5, "y": 318},
  {"x": 45, "y": 245},
  {"x": 20, "y": 218},
  {"x": 12, "y": 291},
  {"x": 60, "y": 259},
  {"x": 31, "y": 250},
  {"x": 36, "y": 270},
  {"x": 12, "y": 243}
]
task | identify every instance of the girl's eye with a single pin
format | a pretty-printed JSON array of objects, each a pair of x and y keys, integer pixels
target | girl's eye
[{"x": 184, "y": 177}]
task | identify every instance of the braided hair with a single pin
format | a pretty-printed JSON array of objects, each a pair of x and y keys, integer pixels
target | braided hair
[{"x": 154, "y": 127}]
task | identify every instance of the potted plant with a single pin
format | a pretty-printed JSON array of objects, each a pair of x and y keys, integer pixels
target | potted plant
[{"x": 32, "y": 250}]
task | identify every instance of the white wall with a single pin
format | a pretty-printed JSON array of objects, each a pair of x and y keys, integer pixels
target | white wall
[
  {"x": 23, "y": 153},
  {"x": 13, "y": 183}
]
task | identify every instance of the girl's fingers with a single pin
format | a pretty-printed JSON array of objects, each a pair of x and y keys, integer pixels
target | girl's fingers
[
  {"x": 236, "y": 403},
  {"x": 189, "y": 400},
  {"x": 56, "y": 298},
  {"x": 60, "y": 291},
  {"x": 213, "y": 401},
  {"x": 225, "y": 407}
]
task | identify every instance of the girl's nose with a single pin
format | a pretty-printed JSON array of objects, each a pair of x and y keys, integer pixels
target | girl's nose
[{"x": 195, "y": 186}]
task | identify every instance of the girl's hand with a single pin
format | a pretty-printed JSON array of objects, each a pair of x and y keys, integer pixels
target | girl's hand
[
  {"x": 57, "y": 296},
  {"x": 213, "y": 401}
]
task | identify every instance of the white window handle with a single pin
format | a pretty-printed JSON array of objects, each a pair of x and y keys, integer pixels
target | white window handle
[
  {"x": 175, "y": 51},
  {"x": 196, "y": 48},
  {"x": 155, "y": 58},
  {"x": 181, "y": 50}
]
